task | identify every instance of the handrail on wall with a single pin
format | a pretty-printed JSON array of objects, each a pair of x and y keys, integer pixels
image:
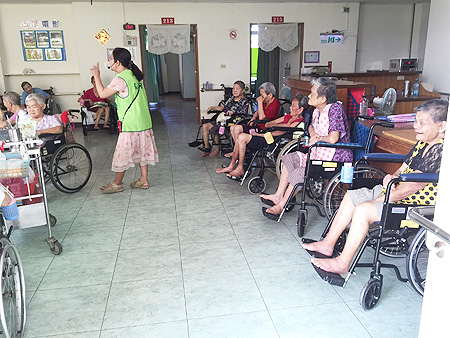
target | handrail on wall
[{"x": 419, "y": 215}]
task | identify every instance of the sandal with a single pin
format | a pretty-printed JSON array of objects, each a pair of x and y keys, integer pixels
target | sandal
[
  {"x": 112, "y": 188},
  {"x": 140, "y": 184}
]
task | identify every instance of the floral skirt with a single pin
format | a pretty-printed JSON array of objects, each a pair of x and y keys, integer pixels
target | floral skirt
[{"x": 134, "y": 147}]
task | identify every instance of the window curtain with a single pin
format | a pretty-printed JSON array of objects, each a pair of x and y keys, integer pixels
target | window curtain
[
  {"x": 152, "y": 76},
  {"x": 284, "y": 36},
  {"x": 163, "y": 39},
  {"x": 262, "y": 74}
]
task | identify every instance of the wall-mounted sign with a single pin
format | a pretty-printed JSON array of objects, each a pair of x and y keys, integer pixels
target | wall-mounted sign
[
  {"x": 277, "y": 19},
  {"x": 168, "y": 21},
  {"x": 312, "y": 56},
  {"x": 233, "y": 34},
  {"x": 129, "y": 27},
  {"x": 40, "y": 24},
  {"x": 102, "y": 37},
  {"x": 43, "y": 45},
  {"x": 332, "y": 38}
]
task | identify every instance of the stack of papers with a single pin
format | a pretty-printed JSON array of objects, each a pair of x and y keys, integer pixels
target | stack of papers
[{"x": 398, "y": 118}]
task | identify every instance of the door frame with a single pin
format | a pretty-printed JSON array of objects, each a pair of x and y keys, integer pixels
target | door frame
[{"x": 196, "y": 65}]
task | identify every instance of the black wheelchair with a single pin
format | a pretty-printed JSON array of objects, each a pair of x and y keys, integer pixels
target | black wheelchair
[
  {"x": 394, "y": 233},
  {"x": 67, "y": 165},
  {"x": 51, "y": 106}
]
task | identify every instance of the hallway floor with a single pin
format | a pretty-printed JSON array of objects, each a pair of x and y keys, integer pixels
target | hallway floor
[{"x": 190, "y": 257}]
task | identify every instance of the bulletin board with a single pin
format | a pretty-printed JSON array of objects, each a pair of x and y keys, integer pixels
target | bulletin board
[{"x": 43, "y": 45}]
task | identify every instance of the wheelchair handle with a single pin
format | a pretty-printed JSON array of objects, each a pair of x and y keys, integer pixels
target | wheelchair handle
[{"x": 355, "y": 146}]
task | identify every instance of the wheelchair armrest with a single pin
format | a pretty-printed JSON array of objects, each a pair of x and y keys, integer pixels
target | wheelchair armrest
[
  {"x": 353, "y": 146},
  {"x": 286, "y": 129},
  {"x": 48, "y": 135},
  {"x": 419, "y": 177},
  {"x": 384, "y": 157}
]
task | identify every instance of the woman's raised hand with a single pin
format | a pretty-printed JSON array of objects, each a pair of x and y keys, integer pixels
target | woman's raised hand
[{"x": 95, "y": 70}]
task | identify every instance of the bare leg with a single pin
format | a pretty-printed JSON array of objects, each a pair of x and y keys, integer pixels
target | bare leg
[
  {"x": 276, "y": 209},
  {"x": 232, "y": 162},
  {"x": 105, "y": 124},
  {"x": 363, "y": 215},
  {"x": 205, "y": 133},
  {"x": 340, "y": 222},
  {"x": 216, "y": 151},
  {"x": 282, "y": 185},
  {"x": 100, "y": 112},
  {"x": 117, "y": 180},
  {"x": 241, "y": 147},
  {"x": 235, "y": 131},
  {"x": 144, "y": 173}
]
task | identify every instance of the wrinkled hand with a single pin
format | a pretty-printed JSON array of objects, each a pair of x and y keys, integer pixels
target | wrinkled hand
[
  {"x": 260, "y": 99},
  {"x": 387, "y": 179},
  {"x": 314, "y": 139},
  {"x": 95, "y": 70}
]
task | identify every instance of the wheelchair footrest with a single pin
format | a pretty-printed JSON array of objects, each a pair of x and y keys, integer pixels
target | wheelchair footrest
[{"x": 330, "y": 277}]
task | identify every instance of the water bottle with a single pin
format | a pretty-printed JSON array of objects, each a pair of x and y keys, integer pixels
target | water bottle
[
  {"x": 306, "y": 141},
  {"x": 415, "y": 89},
  {"x": 347, "y": 173},
  {"x": 222, "y": 127},
  {"x": 363, "y": 105}
]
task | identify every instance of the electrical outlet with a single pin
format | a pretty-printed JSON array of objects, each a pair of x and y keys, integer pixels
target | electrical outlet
[
  {"x": 346, "y": 9},
  {"x": 223, "y": 66}
]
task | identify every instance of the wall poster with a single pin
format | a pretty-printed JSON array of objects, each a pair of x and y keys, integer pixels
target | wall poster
[{"x": 43, "y": 45}]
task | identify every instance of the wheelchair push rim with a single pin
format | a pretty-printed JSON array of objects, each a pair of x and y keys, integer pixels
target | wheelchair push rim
[
  {"x": 417, "y": 262},
  {"x": 70, "y": 168}
]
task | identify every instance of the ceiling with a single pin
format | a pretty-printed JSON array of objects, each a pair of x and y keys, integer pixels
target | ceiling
[{"x": 220, "y": 1}]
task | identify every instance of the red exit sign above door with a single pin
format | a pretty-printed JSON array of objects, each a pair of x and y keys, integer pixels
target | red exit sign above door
[
  {"x": 277, "y": 19},
  {"x": 168, "y": 21}
]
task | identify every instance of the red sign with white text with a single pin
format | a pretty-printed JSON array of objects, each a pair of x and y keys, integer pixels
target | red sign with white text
[
  {"x": 277, "y": 19},
  {"x": 168, "y": 21}
]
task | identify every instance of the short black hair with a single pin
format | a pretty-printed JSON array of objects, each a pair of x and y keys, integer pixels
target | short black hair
[
  {"x": 25, "y": 83},
  {"x": 326, "y": 86}
]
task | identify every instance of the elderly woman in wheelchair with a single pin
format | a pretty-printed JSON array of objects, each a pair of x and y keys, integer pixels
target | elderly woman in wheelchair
[
  {"x": 258, "y": 141},
  {"x": 363, "y": 206},
  {"x": 329, "y": 124},
  {"x": 45, "y": 124}
]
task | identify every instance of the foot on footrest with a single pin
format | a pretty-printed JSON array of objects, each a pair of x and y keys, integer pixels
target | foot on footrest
[
  {"x": 314, "y": 254},
  {"x": 330, "y": 277}
]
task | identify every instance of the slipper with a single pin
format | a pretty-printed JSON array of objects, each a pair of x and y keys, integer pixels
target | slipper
[
  {"x": 140, "y": 184},
  {"x": 270, "y": 216},
  {"x": 235, "y": 178},
  {"x": 266, "y": 201},
  {"x": 194, "y": 144},
  {"x": 205, "y": 150},
  {"x": 112, "y": 188}
]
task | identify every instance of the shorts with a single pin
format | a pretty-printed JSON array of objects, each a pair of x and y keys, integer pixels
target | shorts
[
  {"x": 257, "y": 143},
  {"x": 362, "y": 195}
]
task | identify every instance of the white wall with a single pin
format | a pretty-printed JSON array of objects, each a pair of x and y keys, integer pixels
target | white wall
[
  {"x": 436, "y": 68},
  {"x": 420, "y": 30},
  {"x": 173, "y": 74},
  {"x": 80, "y": 21}
]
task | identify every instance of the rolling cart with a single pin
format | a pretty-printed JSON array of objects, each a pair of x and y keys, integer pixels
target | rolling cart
[{"x": 21, "y": 157}]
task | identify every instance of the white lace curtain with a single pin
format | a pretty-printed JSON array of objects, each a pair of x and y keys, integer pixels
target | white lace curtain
[
  {"x": 271, "y": 36},
  {"x": 163, "y": 39}
]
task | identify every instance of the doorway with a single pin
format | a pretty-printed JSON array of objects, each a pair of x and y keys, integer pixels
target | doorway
[
  {"x": 275, "y": 65},
  {"x": 169, "y": 72}
]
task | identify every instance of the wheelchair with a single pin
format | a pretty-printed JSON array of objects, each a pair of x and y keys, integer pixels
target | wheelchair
[
  {"x": 67, "y": 165},
  {"x": 88, "y": 123},
  {"x": 393, "y": 230},
  {"x": 51, "y": 106}
]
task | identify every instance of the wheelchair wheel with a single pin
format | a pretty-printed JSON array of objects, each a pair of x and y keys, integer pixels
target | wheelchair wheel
[
  {"x": 417, "y": 262},
  {"x": 288, "y": 148},
  {"x": 335, "y": 190},
  {"x": 12, "y": 284},
  {"x": 301, "y": 224},
  {"x": 315, "y": 189},
  {"x": 371, "y": 293},
  {"x": 70, "y": 168},
  {"x": 399, "y": 245},
  {"x": 256, "y": 185}
]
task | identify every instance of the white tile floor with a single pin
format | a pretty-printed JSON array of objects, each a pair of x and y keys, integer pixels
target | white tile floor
[{"x": 190, "y": 257}]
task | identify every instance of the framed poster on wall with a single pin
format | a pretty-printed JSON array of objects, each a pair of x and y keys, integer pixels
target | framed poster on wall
[
  {"x": 43, "y": 45},
  {"x": 312, "y": 56}
]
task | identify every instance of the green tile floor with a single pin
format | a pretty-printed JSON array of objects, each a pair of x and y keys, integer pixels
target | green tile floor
[{"x": 190, "y": 257}]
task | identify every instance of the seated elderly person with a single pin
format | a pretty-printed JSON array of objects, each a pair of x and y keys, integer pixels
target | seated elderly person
[
  {"x": 28, "y": 89},
  {"x": 89, "y": 98},
  {"x": 329, "y": 124},
  {"x": 11, "y": 100},
  {"x": 363, "y": 206},
  {"x": 268, "y": 108},
  {"x": 258, "y": 141},
  {"x": 235, "y": 105},
  {"x": 45, "y": 124}
]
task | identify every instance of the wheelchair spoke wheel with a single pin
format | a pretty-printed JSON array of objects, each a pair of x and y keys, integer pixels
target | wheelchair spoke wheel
[
  {"x": 256, "y": 185},
  {"x": 71, "y": 168},
  {"x": 417, "y": 262},
  {"x": 394, "y": 243},
  {"x": 12, "y": 284},
  {"x": 371, "y": 293},
  {"x": 315, "y": 189},
  {"x": 335, "y": 190},
  {"x": 288, "y": 148}
]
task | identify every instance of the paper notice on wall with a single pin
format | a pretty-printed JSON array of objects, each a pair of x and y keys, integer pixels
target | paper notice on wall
[
  {"x": 102, "y": 37},
  {"x": 132, "y": 51}
]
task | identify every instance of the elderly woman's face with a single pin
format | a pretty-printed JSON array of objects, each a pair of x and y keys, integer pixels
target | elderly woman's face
[
  {"x": 35, "y": 110},
  {"x": 237, "y": 90},
  {"x": 266, "y": 97},
  {"x": 314, "y": 99},
  {"x": 426, "y": 129},
  {"x": 295, "y": 109}
]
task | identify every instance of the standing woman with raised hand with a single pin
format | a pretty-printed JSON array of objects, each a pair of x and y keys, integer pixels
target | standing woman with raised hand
[{"x": 136, "y": 143}]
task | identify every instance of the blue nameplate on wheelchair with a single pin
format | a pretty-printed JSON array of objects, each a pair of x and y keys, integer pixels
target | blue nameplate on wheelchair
[{"x": 398, "y": 210}]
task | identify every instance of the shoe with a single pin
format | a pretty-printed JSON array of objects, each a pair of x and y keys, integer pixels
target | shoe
[
  {"x": 112, "y": 188},
  {"x": 266, "y": 201},
  {"x": 140, "y": 184},
  {"x": 270, "y": 216},
  {"x": 205, "y": 150},
  {"x": 194, "y": 144},
  {"x": 235, "y": 178}
]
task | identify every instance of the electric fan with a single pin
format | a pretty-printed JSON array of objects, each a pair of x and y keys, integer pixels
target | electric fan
[{"x": 387, "y": 102}]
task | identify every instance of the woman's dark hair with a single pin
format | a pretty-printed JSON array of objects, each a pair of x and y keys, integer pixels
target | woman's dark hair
[
  {"x": 302, "y": 101},
  {"x": 326, "y": 86},
  {"x": 437, "y": 108},
  {"x": 240, "y": 84},
  {"x": 124, "y": 57},
  {"x": 25, "y": 83},
  {"x": 92, "y": 79}
]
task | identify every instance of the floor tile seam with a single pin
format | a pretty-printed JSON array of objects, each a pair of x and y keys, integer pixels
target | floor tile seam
[
  {"x": 357, "y": 318},
  {"x": 228, "y": 314},
  {"x": 141, "y": 325},
  {"x": 59, "y": 335}
]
